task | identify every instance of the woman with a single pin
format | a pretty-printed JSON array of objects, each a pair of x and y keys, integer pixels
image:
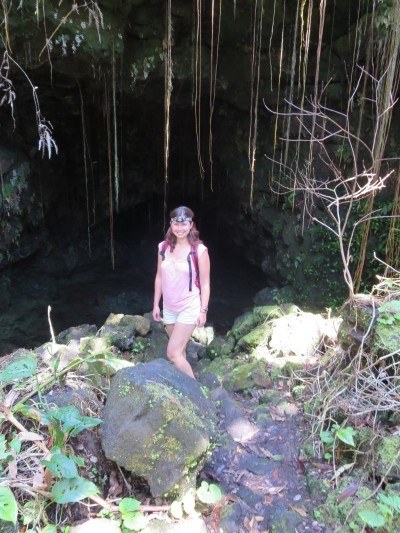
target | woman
[{"x": 183, "y": 280}]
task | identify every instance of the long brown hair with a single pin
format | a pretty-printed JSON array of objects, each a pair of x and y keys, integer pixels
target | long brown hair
[{"x": 193, "y": 237}]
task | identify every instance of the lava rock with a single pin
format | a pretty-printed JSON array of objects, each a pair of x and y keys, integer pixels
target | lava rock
[{"x": 158, "y": 424}]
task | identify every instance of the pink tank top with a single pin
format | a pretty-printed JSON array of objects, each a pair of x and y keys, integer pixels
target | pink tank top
[{"x": 175, "y": 282}]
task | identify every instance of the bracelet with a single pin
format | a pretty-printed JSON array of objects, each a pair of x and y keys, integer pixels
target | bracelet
[{"x": 203, "y": 309}]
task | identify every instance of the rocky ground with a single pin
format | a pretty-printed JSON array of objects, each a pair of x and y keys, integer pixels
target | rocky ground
[{"x": 258, "y": 450}]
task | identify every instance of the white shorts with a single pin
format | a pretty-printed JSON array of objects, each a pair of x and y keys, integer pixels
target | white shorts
[{"x": 187, "y": 316}]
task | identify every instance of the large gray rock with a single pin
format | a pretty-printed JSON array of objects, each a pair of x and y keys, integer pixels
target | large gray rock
[
  {"x": 76, "y": 333},
  {"x": 158, "y": 424}
]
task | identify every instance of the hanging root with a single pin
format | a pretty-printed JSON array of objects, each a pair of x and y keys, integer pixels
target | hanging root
[{"x": 255, "y": 83}]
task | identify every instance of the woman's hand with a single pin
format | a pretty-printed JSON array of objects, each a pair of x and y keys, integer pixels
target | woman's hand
[
  {"x": 156, "y": 313},
  {"x": 201, "y": 319}
]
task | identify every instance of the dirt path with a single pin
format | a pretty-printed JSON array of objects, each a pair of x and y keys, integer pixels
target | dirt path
[{"x": 258, "y": 462}]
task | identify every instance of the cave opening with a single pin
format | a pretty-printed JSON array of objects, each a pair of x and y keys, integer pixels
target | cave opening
[{"x": 76, "y": 279}]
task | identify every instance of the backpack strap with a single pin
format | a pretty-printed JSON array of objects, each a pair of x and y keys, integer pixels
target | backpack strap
[
  {"x": 163, "y": 249},
  {"x": 193, "y": 253}
]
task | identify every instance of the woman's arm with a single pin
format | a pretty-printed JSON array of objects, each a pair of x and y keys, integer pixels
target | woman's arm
[
  {"x": 157, "y": 292},
  {"x": 204, "y": 272}
]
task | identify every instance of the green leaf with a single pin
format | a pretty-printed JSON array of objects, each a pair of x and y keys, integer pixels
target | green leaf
[
  {"x": 61, "y": 466},
  {"x": 136, "y": 523},
  {"x": 70, "y": 419},
  {"x": 50, "y": 528},
  {"x": 128, "y": 507},
  {"x": 385, "y": 509},
  {"x": 209, "y": 493},
  {"x": 371, "y": 518},
  {"x": 346, "y": 435},
  {"x": 15, "y": 445},
  {"x": 326, "y": 436},
  {"x": 8, "y": 506},
  {"x": 390, "y": 307},
  {"x": 176, "y": 509},
  {"x": 390, "y": 499},
  {"x": 73, "y": 490},
  {"x": 24, "y": 368}
]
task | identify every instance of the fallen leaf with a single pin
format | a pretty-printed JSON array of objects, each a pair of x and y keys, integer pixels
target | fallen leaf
[
  {"x": 267, "y": 453},
  {"x": 275, "y": 475},
  {"x": 322, "y": 466},
  {"x": 300, "y": 465},
  {"x": 29, "y": 435},
  {"x": 11, "y": 397},
  {"x": 341, "y": 470},
  {"x": 302, "y": 511},
  {"x": 115, "y": 487},
  {"x": 275, "y": 490},
  {"x": 250, "y": 525},
  {"x": 48, "y": 477},
  {"x": 38, "y": 480},
  {"x": 12, "y": 469},
  {"x": 347, "y": 493}
]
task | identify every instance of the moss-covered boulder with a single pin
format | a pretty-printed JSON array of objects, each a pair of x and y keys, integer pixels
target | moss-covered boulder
[
  {"x": 243, "y": 324},
  {"x": 236, "y": 374},
  {"x": 387, "y": 449},
  {"x": 120, "y": 330},
  {"x": 220, "y": 346},
  {"x": 158, "y": 424},
  {"x": 258, "y": 335}
]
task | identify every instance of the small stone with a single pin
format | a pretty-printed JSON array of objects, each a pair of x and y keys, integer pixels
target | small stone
[
  {"x": 297, "y": 498},
  {"x": 158, "y": 501},
  {"x": 315, "y": 524},
  {"x": 93, "y": 459},
  {"x": 81, "y": 447}
]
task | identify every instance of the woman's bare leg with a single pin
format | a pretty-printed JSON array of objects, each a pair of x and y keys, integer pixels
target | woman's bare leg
[
  {"x": 169, "y": 328},
  {"x": 176, "y": 349}
]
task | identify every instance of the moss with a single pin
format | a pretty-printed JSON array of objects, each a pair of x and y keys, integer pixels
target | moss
[
  {"x": 173, "y": 408},
  {"x": 334, "y": 513},
  {"x": 387, "y": 338},
  {"x": 270, "y": 396},
  {"x": 243, "y": 325},
  {"x": 255, "y": 337},
  {"x": 267, "y": 312},
  {"x": 242, "y": 375},
  {"x": 387, "y": 450},
  {"x": 220, "y": 347},
  {"x": 298, "y": 391}
]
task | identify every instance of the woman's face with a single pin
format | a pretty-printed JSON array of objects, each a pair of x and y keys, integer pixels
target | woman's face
[{"x": 181, "y": 229}]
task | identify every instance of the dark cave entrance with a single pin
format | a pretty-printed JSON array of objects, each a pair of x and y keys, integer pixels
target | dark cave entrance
[{"x": 84, "y": 289}]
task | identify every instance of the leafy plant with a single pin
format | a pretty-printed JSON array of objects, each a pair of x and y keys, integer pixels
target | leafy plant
[
  {"x": 389, "y": 507},
  {"x": 69, "y": 490},
  {"x": 23, "y": 368},
  {"x": 132, "y": 518},
  {"x": 8, "y": 506},
  {"x": 207, "y": 494},
  {"x": 389, "y": 312},
  {"x": 65, "y": 422},
  {"x": 336, "y": 432}
]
